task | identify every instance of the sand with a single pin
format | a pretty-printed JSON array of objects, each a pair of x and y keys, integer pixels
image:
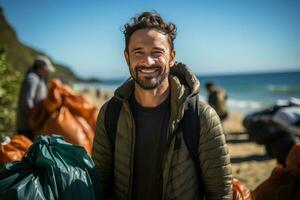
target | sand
[
  {"x": 249, "y": 161},
  {"x": 250, "y": 164}
]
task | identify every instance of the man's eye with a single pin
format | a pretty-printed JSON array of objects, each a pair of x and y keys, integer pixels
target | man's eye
[
  {"x": 137, "y": 53},
  {"x": 157, "y": 53}
]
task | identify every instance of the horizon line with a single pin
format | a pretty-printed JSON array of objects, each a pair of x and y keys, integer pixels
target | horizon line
[{"x": 107, "y": 79}]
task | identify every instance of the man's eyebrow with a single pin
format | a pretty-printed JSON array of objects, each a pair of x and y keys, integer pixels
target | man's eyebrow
[
  {"x": 158, "y": 48},
  {"x": 136, "y": 49}
]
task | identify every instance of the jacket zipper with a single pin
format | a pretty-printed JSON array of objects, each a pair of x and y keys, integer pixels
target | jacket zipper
[
  {"x": 171, "y": 134},
  {"x": 167, "y": 147},
  {"x": 132, "y": 151}
]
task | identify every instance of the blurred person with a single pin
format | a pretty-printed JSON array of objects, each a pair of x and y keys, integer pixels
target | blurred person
[
  {"x": 98, "y": 93},
  {"x": 217, "y": 98},
  {"x": 33, "y": 90},
  {"x": 146, "y": 155}
]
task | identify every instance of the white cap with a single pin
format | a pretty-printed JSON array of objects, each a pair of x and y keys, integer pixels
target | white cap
[
  {"x": 6, "y": 140},
  {"x": 46, "y": 61}
]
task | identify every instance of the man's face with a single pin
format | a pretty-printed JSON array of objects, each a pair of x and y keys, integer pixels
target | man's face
[
  {"x": 149, "y": 58},
  {"x": 43, "y": 72}
]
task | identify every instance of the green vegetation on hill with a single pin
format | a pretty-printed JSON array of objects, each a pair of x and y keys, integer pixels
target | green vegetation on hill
[
  {"x": 20, "y": 57},
  {"x": 9, "y": 91}
]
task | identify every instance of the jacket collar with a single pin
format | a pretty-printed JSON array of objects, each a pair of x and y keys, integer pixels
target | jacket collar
[{"x": 183, "y": 85}]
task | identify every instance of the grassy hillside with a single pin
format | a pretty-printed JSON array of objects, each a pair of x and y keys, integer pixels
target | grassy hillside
[
  {"x": 20, "y": 56},
  {"x": 9, "y": 90}
]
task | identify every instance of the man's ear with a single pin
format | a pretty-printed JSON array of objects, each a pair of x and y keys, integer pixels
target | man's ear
[
  {"x": 126, "y": 56},
  {"x": 173, "y": 57}
]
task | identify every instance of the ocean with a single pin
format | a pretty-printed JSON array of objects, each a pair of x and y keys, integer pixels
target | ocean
[{"x": 246, "y": 92}]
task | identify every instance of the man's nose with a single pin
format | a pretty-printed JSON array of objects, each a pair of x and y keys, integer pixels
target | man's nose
[{"x": 148, "y": 61}]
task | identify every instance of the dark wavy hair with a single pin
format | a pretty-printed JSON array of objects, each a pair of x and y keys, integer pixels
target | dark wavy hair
[{"x": 149, "y": 20}]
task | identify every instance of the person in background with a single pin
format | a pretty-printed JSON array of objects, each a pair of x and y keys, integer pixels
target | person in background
[
  {"x": 217, "y": 99},
  {"x": 33, "y": 90},
  {"x": 149, "y": 158},
  {"x": 98, "y": 93}
]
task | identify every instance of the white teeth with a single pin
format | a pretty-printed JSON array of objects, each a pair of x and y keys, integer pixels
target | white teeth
[{"x": 148, "y": 71}]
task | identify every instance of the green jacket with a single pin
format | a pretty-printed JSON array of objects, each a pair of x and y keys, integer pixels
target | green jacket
[{"x": 179, "y": 173}]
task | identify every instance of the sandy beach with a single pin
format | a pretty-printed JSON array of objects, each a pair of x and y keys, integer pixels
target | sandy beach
[
  {"x": 249, "y": 161},
  {"x": 250, "y": 164}
]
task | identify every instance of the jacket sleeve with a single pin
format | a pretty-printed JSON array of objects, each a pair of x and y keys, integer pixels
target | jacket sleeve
[
  {"x": 214, "y": 156},
  {"x": 102, "y": 154},
  {"x": 32, "y": 83}
]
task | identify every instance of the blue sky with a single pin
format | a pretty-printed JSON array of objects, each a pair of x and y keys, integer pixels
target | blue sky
[{"x": 214, "y": 37}]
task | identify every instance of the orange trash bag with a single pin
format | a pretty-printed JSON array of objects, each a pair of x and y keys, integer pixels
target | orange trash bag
[
  {"x": 74, "y": 129},
  {"x": 65, "y": 113},
  {"x": 240, "y": 191},
  {"x": 38, "y": 116},
  {"x": 293, "y": 160},
  {"x": 55, "y": 95},
  {"x": 14, "y": 148},
  {"x": 79, "y": 106},
  {"x": 59, "y": 94},
  {"x": 281, "y": 185}
]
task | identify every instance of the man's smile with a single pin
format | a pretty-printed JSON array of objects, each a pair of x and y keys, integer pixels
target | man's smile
[{"x": 149, "y": 71}]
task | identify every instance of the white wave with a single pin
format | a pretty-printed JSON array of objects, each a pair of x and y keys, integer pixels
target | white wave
[
  {"x": 244, "y": 105},
  {"x": 282, "y": 88}
]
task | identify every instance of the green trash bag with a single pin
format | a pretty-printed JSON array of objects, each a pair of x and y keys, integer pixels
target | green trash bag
[{"x": 51, "y": 169}]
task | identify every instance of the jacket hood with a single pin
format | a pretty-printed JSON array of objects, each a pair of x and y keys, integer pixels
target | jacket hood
[
  {"x": 183, "y": 84},
  {"x": 186, "y": 82}
]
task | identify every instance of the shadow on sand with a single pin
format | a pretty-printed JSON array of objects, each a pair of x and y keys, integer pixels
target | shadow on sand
[
  {"x": 258, "y": 158},
  {"x": 237, "y": 138},
  {"x": 237, "y": 141}
]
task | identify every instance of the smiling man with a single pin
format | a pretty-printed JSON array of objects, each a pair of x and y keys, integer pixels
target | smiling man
[{"x": 145, "y": 145}]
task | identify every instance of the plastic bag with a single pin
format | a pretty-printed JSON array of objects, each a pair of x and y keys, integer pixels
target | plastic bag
[
  {"x": 73, "y": 129},
  {"x": 67, "y": 114},
  {"x": 284, "y": 183},
  {"x": 281, "y": 185},
  {"x": 51, "y": 169},
  {"x": 38, "y": 116},
  {"x": 59, "y": 94},
  {"x": 240, "y": 191},
  {"x": 293, "y": 160},
  {"x": 13, "y": 149}
]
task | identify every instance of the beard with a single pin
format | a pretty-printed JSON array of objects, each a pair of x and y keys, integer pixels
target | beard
[{"x": 149, "y": 82}]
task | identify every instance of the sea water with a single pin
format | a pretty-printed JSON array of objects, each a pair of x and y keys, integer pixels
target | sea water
[
  {"x": 250, "y": 92},
  {"x": 246, "y": 92}
]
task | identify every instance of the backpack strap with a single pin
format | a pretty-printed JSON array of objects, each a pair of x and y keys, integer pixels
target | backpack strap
[
  {"x": 191, "y": 134},
  {"x": 111, "y": 119},
  {"x": 191, "y": 128}
]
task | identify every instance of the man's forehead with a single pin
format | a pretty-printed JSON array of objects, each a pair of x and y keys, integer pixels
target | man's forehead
[{"x": 149, "y": 37}]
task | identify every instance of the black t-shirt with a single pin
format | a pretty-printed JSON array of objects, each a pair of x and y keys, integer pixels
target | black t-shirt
[{"x": 151, "y": 131}]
